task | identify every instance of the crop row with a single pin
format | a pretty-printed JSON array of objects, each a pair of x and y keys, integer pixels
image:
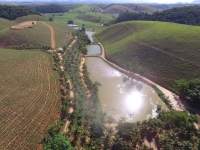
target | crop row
[{"x": 29, "y": 102}]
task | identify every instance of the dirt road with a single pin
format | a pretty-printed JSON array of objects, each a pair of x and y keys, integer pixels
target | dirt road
[{"x": 53, "y": 38}]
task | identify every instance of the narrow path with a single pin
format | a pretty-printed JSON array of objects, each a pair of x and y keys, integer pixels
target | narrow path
[
  {"x": 53, "y": 41},
  {"x": 175, "y": 99}
]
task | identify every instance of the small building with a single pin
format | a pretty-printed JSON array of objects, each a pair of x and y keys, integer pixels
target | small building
[
  {"x": 74, "y": 26},
  {"x": 60, "y": 50}
]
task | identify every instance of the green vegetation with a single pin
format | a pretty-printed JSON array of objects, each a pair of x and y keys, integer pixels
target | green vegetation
[
  {"x": 35, "y": 37},
  {"x": 116, "y": 9},
  {"x": 13, "y": 12},
  {"x": 51, "y": 8},
  {"x": 58, "y": 142},
  {"x": 29, "y": 97},
  {"x": 89, "y": 15},
  {"x": 163, "y": 52},
  {"x": 30, "y": 18},
  {"x": 190, "y": 91},
  {"x": 163, "y": 97},
  {"x": 5, "y": 24},
  {"x": 183, "y": 15},
  {"x": 171, "y": 130},
  {"x": 63, "y": 33}
]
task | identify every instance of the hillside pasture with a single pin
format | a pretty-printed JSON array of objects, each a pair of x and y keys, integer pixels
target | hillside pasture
[
  {"x": 39, "y": 35},
  {"x": 163, "y": 52},
  {"x": 5, "y": 24},
  {"x": 29, "y": 97},
  {"x": 116, "y": 9},
  {"x": 63, "y": 33},
  {"x": 30, "y": 18}
]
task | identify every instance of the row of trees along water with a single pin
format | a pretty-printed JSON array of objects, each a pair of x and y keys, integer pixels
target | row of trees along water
[
  {"x": 86, "y": 127},
  {"x": 184, "y": 15}
]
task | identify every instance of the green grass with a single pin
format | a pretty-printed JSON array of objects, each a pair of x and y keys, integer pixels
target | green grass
[
  {"x": 29, "y": 94},
  {"x": 39, "y": 34},
  {"x": 63, "y": 33},
  {"x": 30, "y": 18},
  {"x": 84, "y": 14},
  {"x": 116, "y": 9},
  {"x": 5, "y": 24},
  {"x": 164, "y": 52}
]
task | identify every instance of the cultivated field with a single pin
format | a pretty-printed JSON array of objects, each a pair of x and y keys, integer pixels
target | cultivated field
[
  {"x": 29, "y": 97},
  {"x": 164, "y": 52}
]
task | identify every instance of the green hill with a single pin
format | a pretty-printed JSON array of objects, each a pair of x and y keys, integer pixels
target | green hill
[
  {"x": 95, "y": 17},
  {"x": 30, "y": 18},
  {"x": 5, "y": 23},
  {"x": 38, "y": 35},
  {"x": 163, "y": 52},
  {"x": 116, "y": 9},
  {"x": 86, "y": 8}
]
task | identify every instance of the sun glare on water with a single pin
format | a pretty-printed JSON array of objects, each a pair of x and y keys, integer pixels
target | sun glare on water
[{"x": 134, "y": 101}]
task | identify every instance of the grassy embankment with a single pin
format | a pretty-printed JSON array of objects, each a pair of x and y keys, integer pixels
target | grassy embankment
[
  {"x": 30, "y": 97},
  {"x": 163, "y": 52},
  {"x": 37, "y": 35}
]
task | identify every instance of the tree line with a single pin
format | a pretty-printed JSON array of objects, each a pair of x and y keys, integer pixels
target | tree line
[
  {"x": 13, "y": 12},
  {"x": 184, "y": 15},
  {"x": 51, "y": 8}
]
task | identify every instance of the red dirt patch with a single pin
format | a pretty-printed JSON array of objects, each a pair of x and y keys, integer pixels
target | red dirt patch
[{"x": 23, "y": 25}]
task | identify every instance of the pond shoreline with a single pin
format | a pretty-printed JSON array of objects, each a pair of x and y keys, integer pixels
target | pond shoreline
[{"x": 174, "y": 99}]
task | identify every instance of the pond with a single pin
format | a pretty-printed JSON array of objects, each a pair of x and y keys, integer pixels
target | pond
[
  {"x": 93, "y": 49},
  {"x": 122, "y": 96}
]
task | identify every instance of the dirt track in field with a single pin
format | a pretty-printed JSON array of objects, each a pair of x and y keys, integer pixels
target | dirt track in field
[{"x": 53, "y": 38}]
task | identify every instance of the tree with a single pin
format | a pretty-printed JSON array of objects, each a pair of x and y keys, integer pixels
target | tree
[
  {"x": 70, "y": 22},
  {"x": 58, "y": 142},
  {"x": 50, "y": 19}
]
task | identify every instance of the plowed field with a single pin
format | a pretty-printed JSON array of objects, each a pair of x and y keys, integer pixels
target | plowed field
[{"x": 29, "y": 97}]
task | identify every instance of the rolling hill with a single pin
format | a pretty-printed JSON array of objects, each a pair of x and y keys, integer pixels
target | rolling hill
[
  {"x": 163, "y": 52},
  {"x": 5, "y": 23},
  {"x": 30, "y": 18},
  {"x": 37, "y": 35},
  {"x": 116, "y": 9}
]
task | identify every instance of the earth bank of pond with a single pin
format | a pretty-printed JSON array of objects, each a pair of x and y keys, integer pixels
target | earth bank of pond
[{"x": 120, "y": 95}]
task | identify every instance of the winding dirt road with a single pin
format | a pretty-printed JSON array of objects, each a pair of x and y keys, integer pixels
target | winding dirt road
[{"x": 53, "y": 37}]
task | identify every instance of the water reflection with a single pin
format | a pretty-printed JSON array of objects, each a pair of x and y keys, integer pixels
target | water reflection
[
  {"x": 122, "y": 96},
  {"x": 134, "y": 101}
]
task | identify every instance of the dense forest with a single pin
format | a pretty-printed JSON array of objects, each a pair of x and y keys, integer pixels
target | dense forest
[
  {"x": 51, "y": 8},
  {"x": 13, "y": 12},
  {"x": 185, "y": 15}
]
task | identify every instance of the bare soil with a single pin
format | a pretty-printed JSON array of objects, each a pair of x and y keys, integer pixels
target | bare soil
[{"x": 24, "y": 25}]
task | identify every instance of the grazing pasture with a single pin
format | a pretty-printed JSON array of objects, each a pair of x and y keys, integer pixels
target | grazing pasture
[
  {"x": 163, "y": 52},
  {"x": 29, "y": 97}
]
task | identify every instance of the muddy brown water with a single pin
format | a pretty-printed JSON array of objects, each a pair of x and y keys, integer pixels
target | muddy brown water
[{"x": 121, "y": 96}]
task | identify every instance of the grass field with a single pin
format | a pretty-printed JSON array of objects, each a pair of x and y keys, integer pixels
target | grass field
[
  {"x": 30, "y": 18},
  {"x": 29, "y": 97},
  {"x": 89, "y": 15},
  {"x": 164, "y": 52},
  {"x": 5, "y": 24},
  {"x": 63, "y": 33},
  {"x": 116, "y": 9},
  {"x": 38, "y": 34}
]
